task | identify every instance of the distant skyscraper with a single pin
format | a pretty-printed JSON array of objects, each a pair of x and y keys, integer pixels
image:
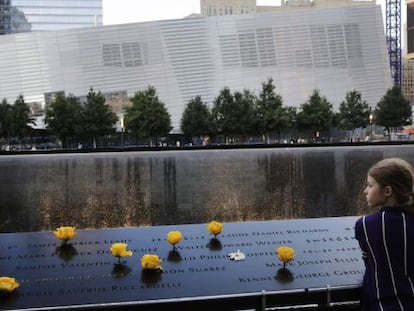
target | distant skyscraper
[
  {"x": 235, "y": 7},
  {"x": 408, "y": 79},
  {"x": 408, "y": 63},
  {"x": 410, "y": 28},
  {"x": 44, "y": 15},
  {"x": 12, "y": 20},
  {"x": 227, "y": 7}
]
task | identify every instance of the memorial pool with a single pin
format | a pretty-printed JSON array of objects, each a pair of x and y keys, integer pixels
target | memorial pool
[{"x": 124, "y": 189}]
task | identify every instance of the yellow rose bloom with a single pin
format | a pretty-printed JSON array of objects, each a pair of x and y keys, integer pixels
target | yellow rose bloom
[
  {"x": 65, "y": 233},
  {"x": 8, "y": 284},
  {"x": 174, "y": 237},
  {"x": 285, "y": 253},
  {"x": 149, "y": 261},
  {"x": 215, "y": 227},
  {"x": 120, "y": 250}
]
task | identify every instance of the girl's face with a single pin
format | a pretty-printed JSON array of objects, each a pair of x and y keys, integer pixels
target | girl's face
[{"x": 375, "y": 193}]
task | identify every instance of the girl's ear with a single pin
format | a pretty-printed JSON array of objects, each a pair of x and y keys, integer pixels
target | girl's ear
[{"x": 388, "y": 191}]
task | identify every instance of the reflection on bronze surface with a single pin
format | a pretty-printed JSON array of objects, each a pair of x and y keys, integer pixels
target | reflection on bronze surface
[
  {"x": 284, "y": 275},
  {"x": 66, "y": 252},
  {"x": 174, "y": 256},
  {"x": 120, "y": 270},
  {"x": 214, "y": 245},
  {"x": 151, "y": 276},
  {"x": 7, "y": 299}
]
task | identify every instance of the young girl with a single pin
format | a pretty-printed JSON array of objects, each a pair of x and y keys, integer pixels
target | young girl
[{"x": 386, "y": 237}]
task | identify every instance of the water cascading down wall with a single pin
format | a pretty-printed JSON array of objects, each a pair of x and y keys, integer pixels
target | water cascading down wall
[{"x": 118, "y": 189}]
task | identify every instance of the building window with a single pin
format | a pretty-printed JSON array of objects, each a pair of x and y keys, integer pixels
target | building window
[
  {"x": 112, "y": 55},
  {"x": 248, "y": 51},
  {"x": 129, "y": 54},
  {"x": 266, "y": 46},
  {"x": 132, "y": 54}
]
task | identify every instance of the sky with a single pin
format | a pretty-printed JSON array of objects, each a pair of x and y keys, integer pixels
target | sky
[{"x": 132, "y": 11}]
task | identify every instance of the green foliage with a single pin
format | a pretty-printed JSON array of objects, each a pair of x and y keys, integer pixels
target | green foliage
[
  {"x": 393, "y": 110},
  {"x": 316, "y": 114},
  {"x": 148, "y": 116},
  {"x": 233, "y": 114},
  {"x": 64, "y": 118},
  {"x": 196, "y": 118},
  {"x": 97, "y": 117},
  {"x": 353, "y": 112},
  {"x": 20, "y": 118},
  {"x": 246, "y": 114},
  {"x": 272, "y": 116},
  {"x": 5, "y": 118},
  {"x": 292, "y": 114}
]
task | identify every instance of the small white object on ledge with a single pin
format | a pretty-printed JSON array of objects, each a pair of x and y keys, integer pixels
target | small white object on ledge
[{"x": 237, "y": 256}]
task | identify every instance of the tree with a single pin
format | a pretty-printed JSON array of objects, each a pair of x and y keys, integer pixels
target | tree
[
  {"x": 272, "y": 116},
  {"x": 20, "y": 118},
  {"x": 393, "y": 110},
  {"x": 148, "y": 117},
  {"x": 196, "y": 118},
  {"x": 316, "y": 114},
  {"x": 292, "y": 114},
  {"x": 5, "y": 119},
  {"x": 353, "y": 112},
  {"x": 232, "y": 114},
  {"x": 97, "y": 117},
  {"x": 246, "y": 113},
  {"x": 63, "y": 117}
]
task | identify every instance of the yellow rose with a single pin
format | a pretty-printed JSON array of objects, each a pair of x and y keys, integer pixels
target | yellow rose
[
  {"x": 174, "y": 237},
  {"x": 285, "y": 254},
  {"x": 120, "y": 250},
  {"x": 149, "y": 261},
  {"x": 215, "y": 227},
  {"x": 8, "y": 284},
  {"x": 65, "y": 233}
]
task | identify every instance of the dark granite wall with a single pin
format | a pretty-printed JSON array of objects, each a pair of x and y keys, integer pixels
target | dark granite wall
[{"x": 98, "y": 190}]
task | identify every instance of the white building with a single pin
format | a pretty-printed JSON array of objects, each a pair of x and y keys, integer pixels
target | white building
[{"x": 332, "y": 49}]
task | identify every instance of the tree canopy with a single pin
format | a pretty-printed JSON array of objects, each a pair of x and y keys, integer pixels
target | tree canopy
[
  {"x": 233, "y": 114},
  {"x": 64, "y": 118},
  {"x": 354, "y": 111},
  {"x": 20, "y": 118},
  {"x": 5, "y": 118},
  {"x": 271, "y": 114},
  {"x": 393, "y": 110},
  {"x": 97, "y": 117},
  {"x": 148, "y": 116},
  {"x": 195, "y": 120},
  {"x": 316, "y": 114}
]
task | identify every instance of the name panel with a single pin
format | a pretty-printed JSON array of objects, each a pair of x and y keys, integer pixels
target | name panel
[{"x": 85, "y": 272}]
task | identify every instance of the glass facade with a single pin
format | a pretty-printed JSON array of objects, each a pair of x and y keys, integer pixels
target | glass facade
[
  {"x": 408, "y": 80},
  {"x": 45, "y": 15},
  {"x": 332, "y": 49},
  {"x": 410, "y": 27}
]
